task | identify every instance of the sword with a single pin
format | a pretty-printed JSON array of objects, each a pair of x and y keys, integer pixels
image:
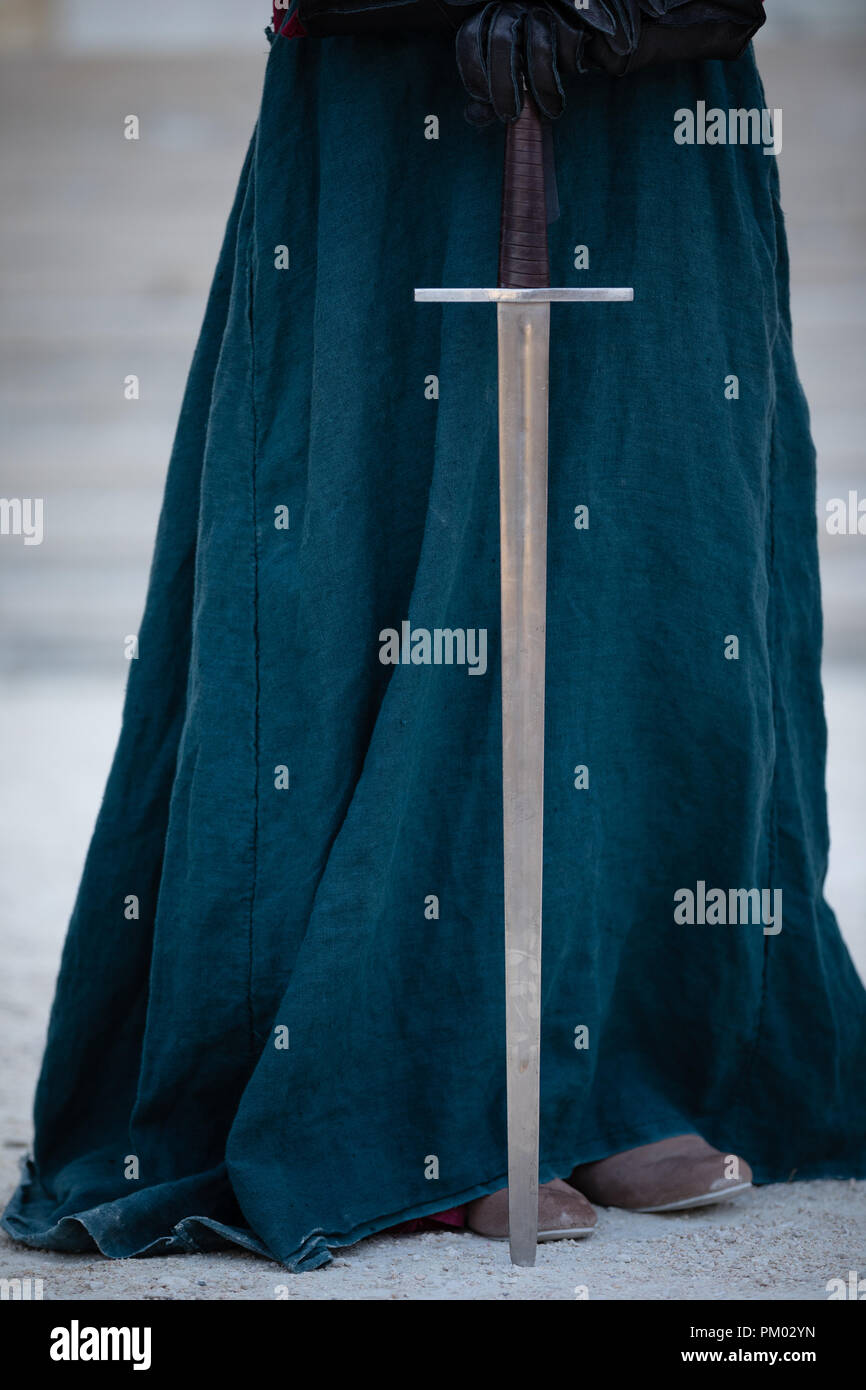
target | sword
[{"x": 523, "y": 298}]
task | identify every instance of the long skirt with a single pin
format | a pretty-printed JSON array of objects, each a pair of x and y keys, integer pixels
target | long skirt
[{"x": 279, "y": 1020}]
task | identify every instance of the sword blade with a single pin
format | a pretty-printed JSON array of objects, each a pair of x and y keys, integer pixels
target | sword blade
[{"x": 524, "y": 330}]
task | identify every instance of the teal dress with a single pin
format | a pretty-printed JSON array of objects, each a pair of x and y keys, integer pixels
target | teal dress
[{"x": 279, "y": 1019}]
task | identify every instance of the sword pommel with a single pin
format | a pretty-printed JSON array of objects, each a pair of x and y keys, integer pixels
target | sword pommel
[{"x": 523, "y": 259}]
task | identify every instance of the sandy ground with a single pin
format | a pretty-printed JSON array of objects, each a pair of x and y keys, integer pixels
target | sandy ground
[
  {"x": 105, "y": 257},
  {"x": 776, "y": 1243}
]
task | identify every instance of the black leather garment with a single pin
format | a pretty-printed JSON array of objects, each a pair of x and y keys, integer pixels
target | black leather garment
[
  {"x": 547, "y": 40},
  {"x": 648, "y": 32},
  {"x": 323, "y": 18}
]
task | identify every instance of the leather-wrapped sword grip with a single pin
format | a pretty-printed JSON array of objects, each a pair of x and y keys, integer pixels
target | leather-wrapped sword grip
[{"x": 523, "y": 258}]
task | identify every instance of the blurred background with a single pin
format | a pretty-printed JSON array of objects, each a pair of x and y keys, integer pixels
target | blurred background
[{"x": 107, "y": 247}]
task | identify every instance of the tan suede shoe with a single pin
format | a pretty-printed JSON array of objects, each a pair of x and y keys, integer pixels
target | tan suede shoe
[
  {"x": 563, "y": 1214},
  {"x": 672, "y": 1175}
]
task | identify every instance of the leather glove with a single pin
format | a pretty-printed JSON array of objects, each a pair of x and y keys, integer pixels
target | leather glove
[
  {"x": 547, "y": 40},
  {"x": 508, "y": 41}
]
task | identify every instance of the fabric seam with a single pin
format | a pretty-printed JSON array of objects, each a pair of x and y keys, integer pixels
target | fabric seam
[{"x": 256, "y": 671}]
